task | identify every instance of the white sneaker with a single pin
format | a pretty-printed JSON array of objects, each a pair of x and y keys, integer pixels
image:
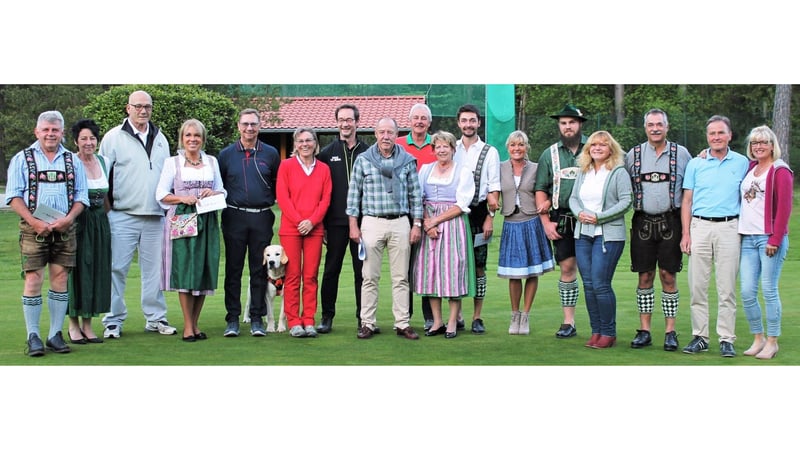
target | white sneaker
[
  {"x": 161, "y": 326},
  {"x": 297, "y": 331},
  {"x": 524, "y": 326},
  {"x": 514, "y": 327},
  {"x": 112, "y": 332},
  {"x": 310, "y": 331}
]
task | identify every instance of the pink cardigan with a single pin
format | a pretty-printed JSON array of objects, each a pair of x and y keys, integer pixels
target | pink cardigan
[{"x": 778, "y": 201}]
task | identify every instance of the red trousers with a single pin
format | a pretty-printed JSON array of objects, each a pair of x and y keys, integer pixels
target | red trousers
[{"x": 304, "y": 254}]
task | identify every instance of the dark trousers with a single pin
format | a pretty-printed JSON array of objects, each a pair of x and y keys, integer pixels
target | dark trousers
[
  {"x": 338, "y": 241},
  {"x": 245, "y": 233}
]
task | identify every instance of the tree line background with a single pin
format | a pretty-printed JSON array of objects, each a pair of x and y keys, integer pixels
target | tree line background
[{"x": 616, "y": 108}]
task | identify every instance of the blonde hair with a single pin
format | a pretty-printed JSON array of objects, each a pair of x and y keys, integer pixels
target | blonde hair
[
  {"x": 197, "y": 125},
  {"x": 519, "y": 136},
  {"x": 298, "y": 132},
  {"x": 763, "y": 133},
  {"x": 444, "y": 136},
  {"x": 616, "y": 158}
]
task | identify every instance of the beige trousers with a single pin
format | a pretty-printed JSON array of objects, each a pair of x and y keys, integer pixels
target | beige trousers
[
  {"x": 714, "y": 245},
  {"x": 377, "y": 235}
]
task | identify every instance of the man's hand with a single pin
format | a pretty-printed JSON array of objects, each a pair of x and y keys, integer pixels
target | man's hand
[
  {"x": 415, "y": 235},
  {"x": 550, "y": 231},
  {"x": 488, "y": 227}
]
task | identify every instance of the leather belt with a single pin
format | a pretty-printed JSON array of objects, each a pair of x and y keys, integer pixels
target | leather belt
[
  {"x": 717, "y": 219},
  {"x": 391, "y": 216},
  {"x": 250, "y": 210}
]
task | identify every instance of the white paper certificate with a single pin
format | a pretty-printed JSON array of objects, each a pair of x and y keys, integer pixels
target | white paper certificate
[
  {"x": 212, "y": 203},
  {"x": 47, "y": 214}
]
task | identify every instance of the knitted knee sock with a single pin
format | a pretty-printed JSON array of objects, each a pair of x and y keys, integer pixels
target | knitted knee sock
[
  {"x": 645, "y": 298},
  {"x": 669, "y": 303},
  {"x": 568, "y": 291},
  {"x": 58, "y": 303},
  {"x": 480, "y": 286},
  {"x": 32, "y": 310}
]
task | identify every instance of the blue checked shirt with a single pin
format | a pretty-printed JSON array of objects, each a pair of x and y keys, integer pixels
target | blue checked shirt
[{"x": 368, "y": 195}]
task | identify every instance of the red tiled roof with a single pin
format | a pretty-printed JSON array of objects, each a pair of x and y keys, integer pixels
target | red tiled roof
[{"x": 317, "y": 112}]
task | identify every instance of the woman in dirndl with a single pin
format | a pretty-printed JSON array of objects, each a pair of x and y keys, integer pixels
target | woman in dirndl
[
  {"x": 524, "y": 249},
  {"x": 190, "y": 264},
  {"x": 444, "y": 264}
]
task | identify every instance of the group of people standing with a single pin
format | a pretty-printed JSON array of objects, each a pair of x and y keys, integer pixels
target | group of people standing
[
  {"x": 725, "y": 213},
  {"x": 429, "y": 200}
]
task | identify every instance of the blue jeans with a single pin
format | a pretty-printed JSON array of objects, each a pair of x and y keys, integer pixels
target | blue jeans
[
  {"x": 597, "y": 261},
  {"x": 755, "y": 265}
]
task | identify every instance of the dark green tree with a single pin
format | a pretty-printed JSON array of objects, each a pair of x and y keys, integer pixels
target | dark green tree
[{"x": 172, "y": 105}]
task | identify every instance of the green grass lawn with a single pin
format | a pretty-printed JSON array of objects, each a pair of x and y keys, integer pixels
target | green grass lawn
[{"x": 341, "y": 348}]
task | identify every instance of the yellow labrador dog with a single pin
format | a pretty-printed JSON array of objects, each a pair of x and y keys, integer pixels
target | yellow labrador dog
[{"x": 275, "y": 262}]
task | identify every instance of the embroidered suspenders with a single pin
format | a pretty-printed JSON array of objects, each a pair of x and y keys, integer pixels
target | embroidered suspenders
[
  {"x": 556, "y": 175},
  {"x": 48, "y": 176},
  {"x": 654, "y": 177},
  {"x": 477, "y": 174}
]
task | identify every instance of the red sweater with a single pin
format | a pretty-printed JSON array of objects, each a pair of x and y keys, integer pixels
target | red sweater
[{"x": 302, "y": 196}]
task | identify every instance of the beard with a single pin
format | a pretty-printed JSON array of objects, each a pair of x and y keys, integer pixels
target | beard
[{"x": 571, "y": 141}]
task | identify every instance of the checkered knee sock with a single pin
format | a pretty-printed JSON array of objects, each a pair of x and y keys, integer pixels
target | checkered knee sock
[
  {"x": 480, "y": 286},
  {"x": 669, "y": 303},
  {"x": 645, "y": 298},
  {"x": 58, "y": 303},
  {"x": 32, "y": 310},
  {"x": 568, "y": 291}
]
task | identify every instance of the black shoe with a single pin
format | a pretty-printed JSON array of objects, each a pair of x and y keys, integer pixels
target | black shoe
[
  {"x": 441, "y": 330},
  {"x": 566, "y": 331},
  {"x": 460, "y": 325},
  {"x": 57, "y": 344},
  {"x": 726, "y": 349},
  {"x": 449, "y": 335},
  {"x": 671, "y": 341},
  {"x": 697, "y": 345},
  {"x": 642, "y": 339},
  {"x": 34, "y": 346},
  {"x": 325, "y": 326},
  {"x": 477, "y": 326},
  {"x": 428, "y": 325}
]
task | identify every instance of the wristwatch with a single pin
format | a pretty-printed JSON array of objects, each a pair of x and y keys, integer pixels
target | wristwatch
[{"x": 418, "y": 224}]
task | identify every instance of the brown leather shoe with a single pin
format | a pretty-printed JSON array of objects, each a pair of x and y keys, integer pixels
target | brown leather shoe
[
  {"x": 407, "y": 333},
  {"x": 605, "y": 342},
  {"x": 364, "y": 332}
]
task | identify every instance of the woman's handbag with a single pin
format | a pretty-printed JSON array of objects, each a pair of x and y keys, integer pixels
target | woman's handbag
[{"x": 183, "y": 225}]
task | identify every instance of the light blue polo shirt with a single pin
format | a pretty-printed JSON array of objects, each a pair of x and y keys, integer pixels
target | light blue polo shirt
[{"x": 715, "y": 184}]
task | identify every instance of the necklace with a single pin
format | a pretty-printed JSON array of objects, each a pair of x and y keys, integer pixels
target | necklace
[{"x": 195, "y": 163}]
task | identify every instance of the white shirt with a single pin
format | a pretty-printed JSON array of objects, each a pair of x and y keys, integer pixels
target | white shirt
[
  {"x": 592, "y": 195},
  {"x": 490, "y": 173}
]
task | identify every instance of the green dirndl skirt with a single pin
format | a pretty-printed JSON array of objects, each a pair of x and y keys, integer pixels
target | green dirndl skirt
[{"x": 195, "y": 260}]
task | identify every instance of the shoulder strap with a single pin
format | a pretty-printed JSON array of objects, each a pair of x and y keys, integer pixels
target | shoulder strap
[
  {"x": 33, "y": 179},
  {"x": 673, "y": 173},
  {"x": 477, "y": 174},
  {"x": 556, "y": 162},
  {"x": 637, "y": 178}
]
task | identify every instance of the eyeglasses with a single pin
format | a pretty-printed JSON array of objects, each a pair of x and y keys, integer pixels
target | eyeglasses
[
  {"x": 139, "y": 107},
  {"x": 754, "y": 143},
  {"x": 346, "y": 120},
  {"x": 304, "y": 141},
  {"x": 247, "y": 125}
]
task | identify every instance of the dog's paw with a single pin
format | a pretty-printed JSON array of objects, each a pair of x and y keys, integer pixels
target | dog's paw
[
  {"x": 281, "y": 328},
  {"x": 270, "y": 328}
]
